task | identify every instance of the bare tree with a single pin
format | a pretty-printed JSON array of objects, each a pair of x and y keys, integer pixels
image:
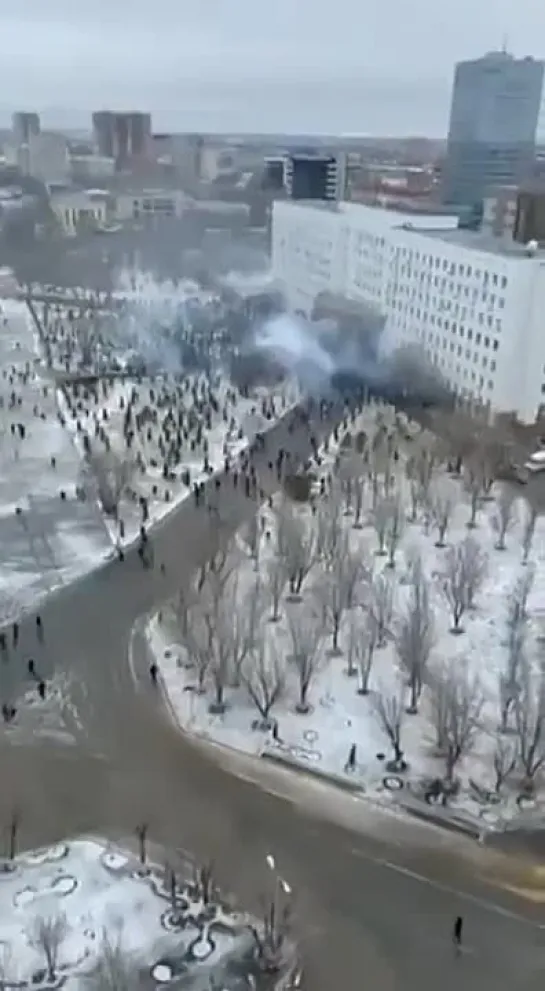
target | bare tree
[
  {"x": 221, "y": 653},
  {"x": 460, "y": 710},
  {"x": 112, "y": 972},
  {"x": 381, "y": 606},
  {"x": 241, "y": 617},
  {"x": 394, "y": 530},
  {"x": 276, "y": 578},
  {"x": 364, "y": 652},
  {"x": 442, "y": 503},
  {"x": 464, "y": 571},
  {"x": 420, "y": 470},
  {"x": 509, "y": 681},
  {"x": 352, "y": 482},
  {"x": 389, "y": 708},
  {"x": 197, "y": 645},
  {"x": 530, "y": 722},
  {"x": 264, "y": 678},
  {"x": 184, "y": 604},
  {"x": 473, "y": 478},
  {"x": 328, "y": 527},
  {"x": 48, "y": 935},
  {"x": 296, "y": 546},
  {"x": 504, "y": 760},
  {"x": 415, "y": 635},
  {"x": 475, "y": 563},
  {"x": 305, "y": 635},
  {"x": 382, "y": 516},
  {"x": 336, "y": 591},
  {"x": 359, "y": 498},
  {"x": 529, "y": 530},
  {"x": 439, "y": 688},
  {"x": 504, "y": 516}
]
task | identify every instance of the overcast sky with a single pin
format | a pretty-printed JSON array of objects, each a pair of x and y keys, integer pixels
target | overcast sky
[{"x": 361, "y": 66}]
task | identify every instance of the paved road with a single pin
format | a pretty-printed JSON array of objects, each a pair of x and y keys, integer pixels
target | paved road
[{"x": 375, "y": 903}]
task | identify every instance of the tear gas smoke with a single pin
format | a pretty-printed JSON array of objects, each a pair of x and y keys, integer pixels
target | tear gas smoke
[
  {"x": 158, "y": 314},
  {"x": 289, "y": 340}
]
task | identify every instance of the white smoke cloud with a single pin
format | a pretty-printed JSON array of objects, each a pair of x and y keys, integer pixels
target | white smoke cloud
[
  {"x": 292, "y": 343},
  {"x": 155, "y": 314}
]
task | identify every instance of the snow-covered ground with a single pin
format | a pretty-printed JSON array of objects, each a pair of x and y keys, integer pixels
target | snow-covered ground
[
  {"x": 150, "y": 440},
  {"x": 465, "y": 679},
  {"x": 47, "y": 540},
  {"x": 157, "y": 439},
  {"x": 88, "y": 914}
]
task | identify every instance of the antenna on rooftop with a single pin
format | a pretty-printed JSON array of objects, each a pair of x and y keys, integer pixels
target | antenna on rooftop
[{"x": 504, "y": 44}]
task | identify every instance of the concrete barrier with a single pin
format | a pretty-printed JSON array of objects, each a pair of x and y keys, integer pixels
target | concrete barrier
[
  {"x": 445, "y": 818},
  {"x": 337, "y": 780}
]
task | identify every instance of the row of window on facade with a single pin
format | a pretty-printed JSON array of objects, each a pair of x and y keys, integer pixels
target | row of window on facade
[
  {"x": 453, "y": 268},
  {"x": 465, "y": 373}
]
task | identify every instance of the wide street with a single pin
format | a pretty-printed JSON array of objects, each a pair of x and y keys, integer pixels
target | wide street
[{"x": 375, "y": 896}]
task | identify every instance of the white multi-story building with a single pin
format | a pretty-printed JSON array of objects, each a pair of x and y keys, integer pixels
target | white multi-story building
[{"x": 474, "y": 302}]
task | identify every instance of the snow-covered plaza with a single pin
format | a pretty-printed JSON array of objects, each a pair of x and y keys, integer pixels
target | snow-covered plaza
[
  {"x": 85, "y": 913},
  {"x": 147, "y": 440},
  {"x": 147, "y": 444},
  {"x": 49, "y": 536},
  {"x": 387, "y": 632},
  {"x": 86, "y": 464}
]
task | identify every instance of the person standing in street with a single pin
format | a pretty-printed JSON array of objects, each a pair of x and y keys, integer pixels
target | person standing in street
[{"x": 457, "y": 932}]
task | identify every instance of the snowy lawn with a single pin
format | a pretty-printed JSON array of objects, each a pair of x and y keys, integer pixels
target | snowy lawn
[
  {"x": 87, "y": 914},
  {"x": 49, "y": 537},
  {"x": 356, "y": 670},
  {"x": 148, "y": 442}
]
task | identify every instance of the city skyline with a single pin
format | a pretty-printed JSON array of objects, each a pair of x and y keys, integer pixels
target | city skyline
[{"x": 369, "y": 71}]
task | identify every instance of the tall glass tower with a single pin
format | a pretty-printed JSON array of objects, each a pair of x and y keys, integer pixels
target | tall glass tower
[{"x": 494, "y": 116}]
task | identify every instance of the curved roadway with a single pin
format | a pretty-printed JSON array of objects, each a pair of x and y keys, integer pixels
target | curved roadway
[{"x": 375, "y": 895}]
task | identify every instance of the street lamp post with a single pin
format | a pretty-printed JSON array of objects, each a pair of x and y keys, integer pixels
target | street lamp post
[{"x": 281, "y": 888}]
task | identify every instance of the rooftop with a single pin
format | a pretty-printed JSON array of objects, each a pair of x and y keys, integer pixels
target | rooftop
[{"x": 503, "y": 246}]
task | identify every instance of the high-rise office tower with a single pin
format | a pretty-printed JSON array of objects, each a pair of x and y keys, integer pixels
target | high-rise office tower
[
  {"x": 25, "y": 125},
  {"x": 494, "y": 115},
  {"x": 122, "y": 136}
]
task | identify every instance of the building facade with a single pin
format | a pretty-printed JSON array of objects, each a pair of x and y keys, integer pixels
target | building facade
[
  {"x": 147, "y": 203},
  {"x": 24, "y": 125},
  {"x": 500, "y": 210},
  {"x": 495, "y": 110},
  {"x": 122, "y": 136},
  {"x": 82, "y": 211},
  {"x": 473, "y": 302}
]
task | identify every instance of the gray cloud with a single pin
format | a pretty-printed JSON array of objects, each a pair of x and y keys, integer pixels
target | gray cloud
[{"x": 370, "y": 67}]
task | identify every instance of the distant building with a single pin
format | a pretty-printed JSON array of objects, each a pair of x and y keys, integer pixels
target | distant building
[
  {"x": 500, "y": 210},
  {"x": 48, "y": 158},
  {"x": 309, "y": 176},
  {"x": 25, "y": 125},
  {"x": 146, "y": 203},
  {"x": 44, "y": 156},
  {"x": 85, "y": 210},
  {"x": 494, "y": 117},
  {"x": 83, "y": 167},
  {"x": 181, "y": 151},
  {"x": 122, "y": 136}
]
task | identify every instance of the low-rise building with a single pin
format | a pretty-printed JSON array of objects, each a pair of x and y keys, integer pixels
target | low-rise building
[
  {"x": 137, "y": 205},
  {"x": 473, "y": 301},
  {"x": 81, "y": 210}
]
